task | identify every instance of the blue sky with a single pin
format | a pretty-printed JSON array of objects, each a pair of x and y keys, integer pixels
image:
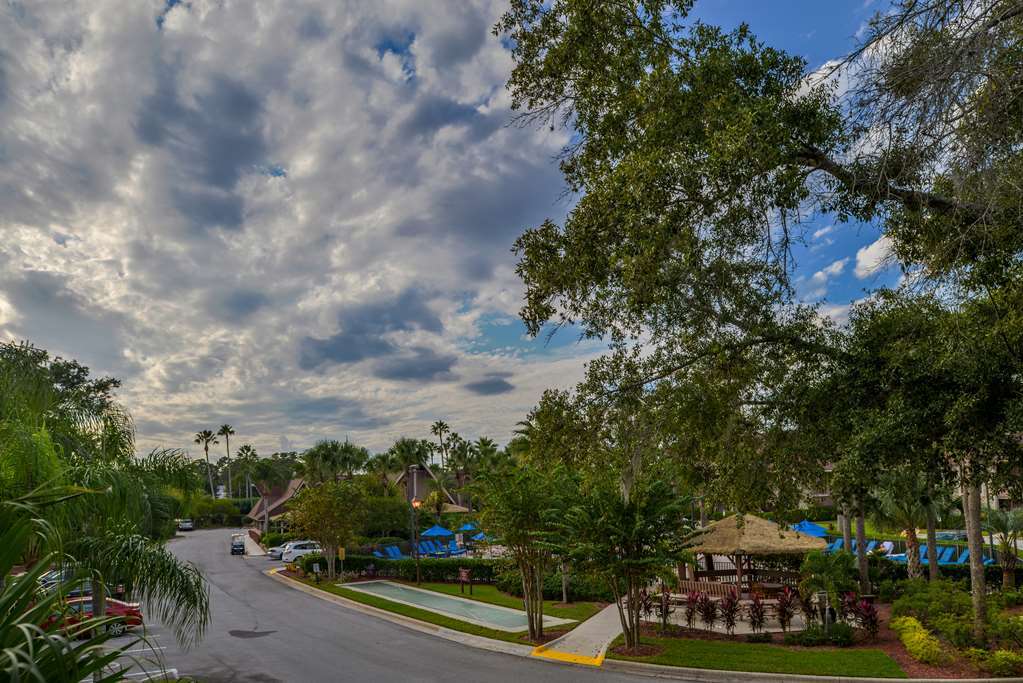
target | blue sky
[{"x": 297, "y": 218}]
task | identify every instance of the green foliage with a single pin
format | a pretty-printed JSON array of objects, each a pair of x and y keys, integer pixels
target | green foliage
[
  {"x": 329, "y": 513},
  {"x": 433, "y": 569},
  {"x": 1008, "y": 630},
  {"x": 1003, "y": 663},
  {"x": 386, "y": 516},
  {"x": 759, "y": 637},
  {"x": 832, "y": 573},
  {"x": 274, "y": 538},
  {"x": 839, "y": 634},
  {"x": 580, "y": 586},
  {"x": 918, "y": 641},
  {"x": 926, "y": 600},
  {"x": 956, "y": 629}
]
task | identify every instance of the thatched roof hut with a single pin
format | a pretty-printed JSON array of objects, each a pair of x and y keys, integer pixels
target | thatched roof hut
[{"x": 751, "y": 535}]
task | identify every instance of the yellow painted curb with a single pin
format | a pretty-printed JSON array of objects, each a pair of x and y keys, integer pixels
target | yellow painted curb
[{"x": 543, "y": 651}]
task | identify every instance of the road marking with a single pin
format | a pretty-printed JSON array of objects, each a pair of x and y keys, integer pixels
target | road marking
[{"x": 542, "y": 651}]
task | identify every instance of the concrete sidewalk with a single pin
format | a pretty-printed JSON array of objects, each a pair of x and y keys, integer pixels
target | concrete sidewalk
[
  {"x": 252, "y": 549},
  {"x": 586, "y": 643}
]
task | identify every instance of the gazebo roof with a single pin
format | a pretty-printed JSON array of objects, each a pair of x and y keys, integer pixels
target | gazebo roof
[{"x": 750, "y": 535}]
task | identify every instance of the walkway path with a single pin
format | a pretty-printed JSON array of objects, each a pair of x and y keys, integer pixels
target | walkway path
[{"x": 587, "y": 643}]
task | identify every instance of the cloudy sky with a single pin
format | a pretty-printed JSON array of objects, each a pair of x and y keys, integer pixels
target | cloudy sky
[{"x": 297, "y": 217}]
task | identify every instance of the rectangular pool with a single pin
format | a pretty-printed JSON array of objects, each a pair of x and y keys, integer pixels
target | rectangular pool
[{"x": 472, "y": 611}]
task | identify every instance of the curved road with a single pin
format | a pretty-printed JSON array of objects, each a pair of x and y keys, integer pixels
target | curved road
[{"x": 264, "y": 631}]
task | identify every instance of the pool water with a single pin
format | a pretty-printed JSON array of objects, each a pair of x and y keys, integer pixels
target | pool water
[{"x": 479, "y": 613}]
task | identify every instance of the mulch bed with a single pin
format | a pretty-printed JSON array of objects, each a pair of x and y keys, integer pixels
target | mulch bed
[
  {"x": 888, "y": 642},
  {"x": 548, "y": 636}
]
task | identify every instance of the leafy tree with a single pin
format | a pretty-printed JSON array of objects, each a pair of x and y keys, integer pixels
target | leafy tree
[
  {"x": 206, "y": 438},
  {"x": 628, "y": 537},
  {"x": 441, "y": 430},
  {"x": 245, "y": 458},
  {"x": 330, "y": 514},
  {"x": 381, "y": 465},
  {"x": 227, "y": 431},
  {"x": 520, "y": 506},
  {"x": 353, "y": 459},
  {"x": 322, "y": 462},
  {"x": 410, "y": 455},
  {"x": 828, "y": 573}
]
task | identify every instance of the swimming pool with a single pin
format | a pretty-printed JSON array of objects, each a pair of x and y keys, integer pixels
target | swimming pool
[{"x": 472, "y": 611}]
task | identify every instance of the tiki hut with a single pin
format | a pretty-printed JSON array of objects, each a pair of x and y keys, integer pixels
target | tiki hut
[{"x": 743, "y": 537}]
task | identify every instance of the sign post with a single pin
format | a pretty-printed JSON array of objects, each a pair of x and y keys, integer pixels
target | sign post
[
  {"x": 464, "y": 577},
  {"x": 316, "y": 570},
  {"x": 341, "y": 556}
]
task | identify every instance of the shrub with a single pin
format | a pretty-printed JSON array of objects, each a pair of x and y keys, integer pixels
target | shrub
[
  {"x": 889, "y": 590},
  {"x": 840, "y": 635},
  {"x": 1012, "y": 598},
  {"x": 707, "y": 609},
  {"x": 1004, "y": 663},
  {"x": 432, "y": 569},
  {"x": 756, "y": 613},
  {"x": 580, "y": 586},
  {"x": 692, "y": 603},
  {"x": 958, "y": 630},
  {"x": 786, "y": 608},
  {"x": 865, "y": 616},
  {"x": 918, "y": 641},
  {"x": 1009, "y": 630},
  {"x": 273, "y": 538},
  {"x": 729, "y": 608},
  {"x": 761, "y": 637},
  {"x": 928, "y": 600}
]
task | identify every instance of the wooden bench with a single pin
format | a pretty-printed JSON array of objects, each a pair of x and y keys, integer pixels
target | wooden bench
[{"x": 714, "y": 589}]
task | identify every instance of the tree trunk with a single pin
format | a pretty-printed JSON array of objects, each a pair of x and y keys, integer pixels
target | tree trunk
[
  {"x": 99, "y": 609},
  {"x": 861, "y": 550},
  {"x": 933, "y": 571},
  {"x": 209, "y": 470},
  {"x": 845, "y": 522},
  {"x": 912, "y": 553},
  {"x": 619, "y": 602},
  {"x": 330, "y": 553},
  {"x": 564, "y": 582},
  {"x": 975, "y": 542},
  {"x": 227, "y": 445}
]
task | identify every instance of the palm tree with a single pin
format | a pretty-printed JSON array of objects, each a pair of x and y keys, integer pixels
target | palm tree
[
  {"x": 267, "y": 473},
  {"x": 1007, "y": 528},
  {"x": 381, "y": 465},
  {"x": 245, "y": 458},
  {"x": 900, "y": 506},
  {"x": 352, "y": 458},
  {"x": 485, "y": 451},
  {"x": 409, "y": 455},
  {"x": 227, "y": 431},
  {"x": 440, "y": 429},
  {"x": 322, "y": 462},
  {"x": 204, "y": 439}
]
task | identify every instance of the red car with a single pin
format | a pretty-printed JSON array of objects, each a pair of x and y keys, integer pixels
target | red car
[{"x": 79, "y": 609}]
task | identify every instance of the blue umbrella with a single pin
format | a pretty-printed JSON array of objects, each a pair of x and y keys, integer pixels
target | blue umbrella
[
  {"x": 436, "y": 531},
  {"x": 468, "y": 526},
  {"x": 481, "y": 537},
  {"x": 810, "y": 529}
]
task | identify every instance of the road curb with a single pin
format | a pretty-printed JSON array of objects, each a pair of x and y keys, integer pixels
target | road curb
[
  {"x": 715, "y": 676},
  {"x": 617, "y": 665},
  {"x": 414, "y": 624}
]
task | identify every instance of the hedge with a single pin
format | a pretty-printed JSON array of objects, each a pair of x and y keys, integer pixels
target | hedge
[
  {"x": 882, "y": 569},
  {"x": 431, "y": 568},
  {"x": 580, "y": 586},
  {"x": 920, "y": 644}
]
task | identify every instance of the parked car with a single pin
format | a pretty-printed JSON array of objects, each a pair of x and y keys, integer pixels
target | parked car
[
  {"x": 186, "y": 525},
  {"x": 276, "y": 552},
  {"x": 52, "y": 580},
  {"x": 297, "y": 550},
  {"x": 78, "y": 609},
  {"x": 237, "y": 544}
]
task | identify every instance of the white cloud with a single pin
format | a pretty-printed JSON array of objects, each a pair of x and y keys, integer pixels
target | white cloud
[
  {"x": 816, "y": 286},
  {"x": 186, "y": 206},
  {"x": 874, "y": 257},
  {"x": 823, "y": 231}
]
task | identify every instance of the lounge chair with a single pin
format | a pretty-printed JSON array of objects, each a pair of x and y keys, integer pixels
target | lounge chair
[
  {"x": 393, "y": 552},
  {"x": 887, "y": 547},
  {"x": 837, "y": 545},
  {"x": 922, "y": 552},
  {"x": 871, "y": 546},
  {"x": 377, "y": 553},
  {"x": 453, "y": 549},
  {"x": 963, "y": 558}
]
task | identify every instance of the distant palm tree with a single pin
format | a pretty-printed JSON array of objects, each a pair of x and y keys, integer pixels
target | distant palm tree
[
  {"x": 245, "y": 458},
  {"x": 485, "y": 451},
  {"x": 323, "y": 462},
  {"x": 381, "y": 465},
  {"x": 227, "y": 431},
  {"x": 410, "y": 454},
  {"x": 204, "y": 439},
  {"x": 899, "y": 507},
  {"x": 1007, "y": 527},
  {"x": 440, "y": 429},
  {"x": 267, "y": 473},
  {"x": 352, "y": 459}
]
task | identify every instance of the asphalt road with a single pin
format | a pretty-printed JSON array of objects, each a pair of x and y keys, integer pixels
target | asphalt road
[{"x": 263, "y": 631}]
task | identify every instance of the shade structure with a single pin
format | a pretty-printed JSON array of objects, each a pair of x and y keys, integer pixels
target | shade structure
[
  {"x": 482, "y": 537},
  {"x": 751, "y": 535},
  {"x": 468, "y": 526},
  {"x": 436, "y": 531},
  {"x": 810, "y": 529}
]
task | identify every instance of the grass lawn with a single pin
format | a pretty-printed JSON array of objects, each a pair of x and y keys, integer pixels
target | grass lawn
[
  {"x": 730, "y": 656},
  {"x": 580, "y": 611},
  {"x": 497, "y": 598}
]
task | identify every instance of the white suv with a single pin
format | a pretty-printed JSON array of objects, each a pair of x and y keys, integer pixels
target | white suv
[{"x": 297, "y": 550}]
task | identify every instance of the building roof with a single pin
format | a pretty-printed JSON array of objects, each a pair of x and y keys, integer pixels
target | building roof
[
  {"x": 750, "y": 535},
  {"x": 279, "y": 496}
]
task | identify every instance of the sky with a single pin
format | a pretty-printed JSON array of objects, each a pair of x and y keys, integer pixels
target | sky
[{"x": 297, "y": 217}]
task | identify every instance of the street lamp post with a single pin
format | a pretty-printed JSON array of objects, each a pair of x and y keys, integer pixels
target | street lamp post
[{"x": 415, "y": 535}]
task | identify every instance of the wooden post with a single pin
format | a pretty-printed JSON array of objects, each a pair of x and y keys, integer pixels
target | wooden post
[{"x": 738, "y": 573}]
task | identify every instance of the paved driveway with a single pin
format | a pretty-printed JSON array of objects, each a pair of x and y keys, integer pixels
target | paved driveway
[{"x": 264, "y": 631}]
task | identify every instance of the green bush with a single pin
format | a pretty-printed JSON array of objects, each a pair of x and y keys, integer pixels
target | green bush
[
  {"x": 918, "y": 641},
  {"x": 273, "y": 538},
  {"x": 840, "y": 634},
  {"x": 432, "y": 569},
  {"x": 998, "y": 663},
  {"x": 928, "y": 600},
  {"x": 1012, "y": 598},
  {"x": 580, "y": 586},
  {"x": 1008, "y": 630},
  {"x": 762, "y": 637},
  {"x": 958, "y": 630}
]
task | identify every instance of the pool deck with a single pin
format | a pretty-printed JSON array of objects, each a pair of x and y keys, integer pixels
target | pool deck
[{"x": 475, "y": 604}]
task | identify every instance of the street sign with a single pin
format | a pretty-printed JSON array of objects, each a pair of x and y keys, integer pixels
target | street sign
[
  {"x": 464, "y": 577},
  {"x": 341, "y": 554}
]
